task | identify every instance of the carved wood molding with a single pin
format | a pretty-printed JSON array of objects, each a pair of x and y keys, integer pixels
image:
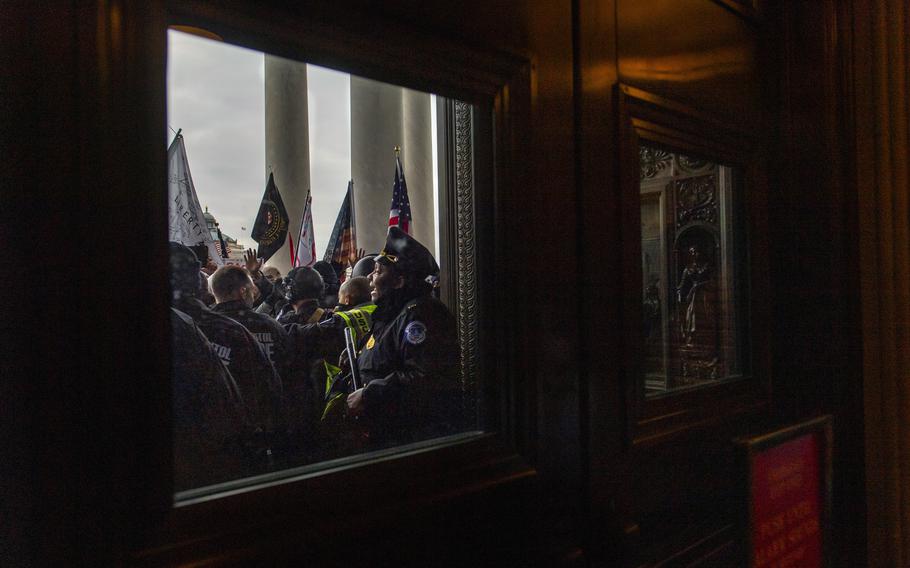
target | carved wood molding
[
  {"x": 697, "y": 199},
  {"x": 466, "y": 246}
]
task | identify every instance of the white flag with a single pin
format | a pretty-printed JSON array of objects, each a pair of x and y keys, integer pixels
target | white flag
[
  {"x": 186, "y": 224},
  {"x": 306, "y": 243}
]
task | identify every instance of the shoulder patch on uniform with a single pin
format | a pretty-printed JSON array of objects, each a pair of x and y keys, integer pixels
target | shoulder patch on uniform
[
  {"x": 371, "y": 342},
  {"x": 415, "y": 333}
]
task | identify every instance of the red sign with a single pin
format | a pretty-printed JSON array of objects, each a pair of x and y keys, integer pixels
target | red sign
[{"x": 787, "y": 504}]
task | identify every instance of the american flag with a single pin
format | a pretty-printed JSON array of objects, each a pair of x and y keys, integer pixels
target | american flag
[
  {"x": 400, "y": 211},
  {"x": 220, "y": 245}
]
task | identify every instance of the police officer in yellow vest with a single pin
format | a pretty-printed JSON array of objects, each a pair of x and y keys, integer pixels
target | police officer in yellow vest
[
  {"x": 409, "y": 364},
  {"x": 354, "y": 311},
  {"x": 355, "y": 306}
]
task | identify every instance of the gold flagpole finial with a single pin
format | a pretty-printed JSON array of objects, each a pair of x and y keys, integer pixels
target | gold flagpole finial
[{"x": 397, "y": 151}]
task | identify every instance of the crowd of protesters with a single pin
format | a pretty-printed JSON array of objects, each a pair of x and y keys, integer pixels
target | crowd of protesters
[{"x": 262, "y": 379}]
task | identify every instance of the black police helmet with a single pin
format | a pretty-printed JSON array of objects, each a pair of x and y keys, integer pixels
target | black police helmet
[
  {"x": 184, "y": 273},
  {"x": 329, "y": 277},
  {"x": 364, "y": 266},
  {"x": 303, "y": 283},
  {"x": 407, "y": 255}
]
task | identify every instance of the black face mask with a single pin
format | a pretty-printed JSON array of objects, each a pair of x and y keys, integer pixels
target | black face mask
[
  {"x": 279, "y": 288},
  {"x": 285, "y": 286}
]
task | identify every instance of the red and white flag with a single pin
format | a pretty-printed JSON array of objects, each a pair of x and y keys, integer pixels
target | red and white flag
[{"x": 306, "y": 242}]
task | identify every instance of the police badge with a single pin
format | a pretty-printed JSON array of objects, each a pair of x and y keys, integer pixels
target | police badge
[{"x": 415, "y": 333}]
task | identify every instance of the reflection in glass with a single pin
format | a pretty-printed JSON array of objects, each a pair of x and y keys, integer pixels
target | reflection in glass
[
  {"x": 692, "y": 265},
  {"x": 291, "y": 160}
]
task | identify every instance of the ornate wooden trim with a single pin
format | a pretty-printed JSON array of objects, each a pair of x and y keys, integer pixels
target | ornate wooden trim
[{"x": 466, "y": 246}]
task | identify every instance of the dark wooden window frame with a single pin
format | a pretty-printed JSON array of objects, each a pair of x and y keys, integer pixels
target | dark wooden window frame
[
  {"x": 349, "y": 496},
  {"x": 649, "y": 118}
]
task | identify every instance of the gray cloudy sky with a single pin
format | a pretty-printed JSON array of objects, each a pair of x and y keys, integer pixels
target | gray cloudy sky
[{"x": 216, "y": 95}]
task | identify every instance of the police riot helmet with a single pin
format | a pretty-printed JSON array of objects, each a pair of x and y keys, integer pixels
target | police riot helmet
[
  {"x": 303, "y": 283},
  {"x": 184, "y": 273},
  {"x": 364, "y": 266},
  {"x": 329, "y": 276}
]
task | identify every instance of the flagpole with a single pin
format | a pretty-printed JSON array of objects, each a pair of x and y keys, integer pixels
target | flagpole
[
  {"x": 309, "y": 205},
  {"x": 176, "y": 134},
  {"x": 353, "y": 223},
  {"x": 291, "y": 250}
]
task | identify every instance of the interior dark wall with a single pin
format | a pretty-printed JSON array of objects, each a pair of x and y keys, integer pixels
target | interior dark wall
[
  {"x": 39, "y": 364},
  {"x": 78, "y": 88},
  {"x": 693, "y": 52},
  {"x": 670, "y": 497},
  {"x": 815, "y": 260},
  {"x": 82, "y": 82}
]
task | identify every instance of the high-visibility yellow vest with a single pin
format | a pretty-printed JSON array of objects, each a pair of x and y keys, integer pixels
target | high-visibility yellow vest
[
  {"x": 331, "y": 371},
  {"x": 359, "y": 319}
]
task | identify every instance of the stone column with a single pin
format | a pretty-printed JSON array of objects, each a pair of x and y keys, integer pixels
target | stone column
[
  {"x": 417, "y": 159},
  {"x": 287, "y": 148},
  {"x": 382, "y": 117}
]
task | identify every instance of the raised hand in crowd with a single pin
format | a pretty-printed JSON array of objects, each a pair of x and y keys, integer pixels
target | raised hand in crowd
[{"x": 252, "y": 264}]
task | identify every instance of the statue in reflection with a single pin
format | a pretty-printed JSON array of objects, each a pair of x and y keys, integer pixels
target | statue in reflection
[
  {"x": 651, "y": 312},
  {"x": 696, "y": 301}
]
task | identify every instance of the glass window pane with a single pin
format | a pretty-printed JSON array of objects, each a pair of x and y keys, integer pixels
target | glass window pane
[
  {"x": 692, "y": 243},
  {"x": 311, "y": 208}
]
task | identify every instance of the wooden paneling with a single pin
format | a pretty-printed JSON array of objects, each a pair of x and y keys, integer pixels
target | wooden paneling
[
  {"x": 815, "y": 258},
  {"x": 123, "y": 396},
  {"x": 695, "y": 62},
  {"x": 880, "y": 150},
  {"x": 39, "y": 364},
  {"x": 563, "y": 483},
  {"x": 694, "y": 51}
]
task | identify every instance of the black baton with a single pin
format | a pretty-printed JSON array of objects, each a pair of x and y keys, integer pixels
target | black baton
[{"x": 352, "y": 357}]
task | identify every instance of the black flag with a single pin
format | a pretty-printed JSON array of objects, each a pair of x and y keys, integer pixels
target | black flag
[{"x": 271, "y": 227}]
